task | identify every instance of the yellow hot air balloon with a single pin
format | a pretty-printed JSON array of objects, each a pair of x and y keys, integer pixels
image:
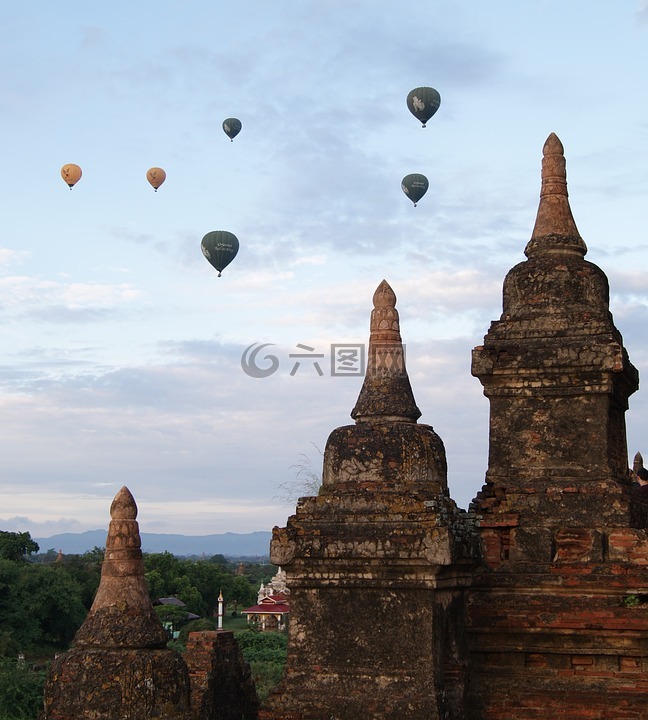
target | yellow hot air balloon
[
  {"x": 156, "y": 176},
  {"x": 71, "y": 173}
]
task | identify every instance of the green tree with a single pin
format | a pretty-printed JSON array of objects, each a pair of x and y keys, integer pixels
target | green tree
[
  {"x": 10, "y": 611},
  {"x": 95, "y": 556},
  {"x": 54, "y": 600},
  {"x": 39, "y": 605},
  {"x": 265, "y": 646},
  {"x": 266, "y": 675},
  {"x": 155, "y": 584},
  {"x": 242, "y": 592},
  {"x": 258, "y": 573},
  {"x": 172, "y": 617},
  {"x": 163, "y": 571},
  {"x": 210, "y": 580},
  {"x": 167, "y": 564},
  {"x": 266, "y": 653},
  {"x": 198, "y": 583},
  {"x": 86, "y": 571},
  {"x": 21, "y": 690},
  {"x": 190, "y": 595},
  {"x": 16, "y": 546},
  {"x": 46, "y": 558}
]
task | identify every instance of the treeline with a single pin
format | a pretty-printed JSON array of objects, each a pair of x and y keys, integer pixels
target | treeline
[{"x": 45, "y": 598}]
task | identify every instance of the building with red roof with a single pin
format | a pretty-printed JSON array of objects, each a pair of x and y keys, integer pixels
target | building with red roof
[{"x": 271, "y": 613}]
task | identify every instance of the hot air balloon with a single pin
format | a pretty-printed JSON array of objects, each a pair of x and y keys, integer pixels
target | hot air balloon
[
  {"x": 220, "y": 248},
  {"x": 156, "y": 176},
  {"x": 415, "y": 186},
  {"x": 423, "y": 102},
  {"x": 232, "y": 127},
  {"x": 71, "y": 173}
]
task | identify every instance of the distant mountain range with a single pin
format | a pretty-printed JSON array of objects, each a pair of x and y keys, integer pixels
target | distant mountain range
[{"x": 254, "y": 544}]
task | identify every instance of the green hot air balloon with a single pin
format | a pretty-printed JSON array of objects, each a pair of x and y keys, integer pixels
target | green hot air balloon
[
  {"x": 232, "y": 127},
  {"x": 415, "y": 186},
  {"x": 423, "y": 102},
  {"x": 220, "y": 248}
]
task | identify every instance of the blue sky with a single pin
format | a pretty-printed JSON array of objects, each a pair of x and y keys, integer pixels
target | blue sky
[{"x": 120, "y": 360}]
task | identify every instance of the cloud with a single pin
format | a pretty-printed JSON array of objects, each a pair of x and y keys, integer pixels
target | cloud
[
  {"x": 642, "y": 12},
  {"x": 139, "y": 238},
  {"x": 10, "y": 257},
  {"x": 45, "y": 528},
  {"x": 53, "y": 301},
  {"x": 201, "y": 422}
]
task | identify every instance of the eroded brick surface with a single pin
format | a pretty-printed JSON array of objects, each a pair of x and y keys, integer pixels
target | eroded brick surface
[
  {"x": 549, "y": 629},
  {"x": 377, "y": 563},
  {"x": 221, "y": 683},
  {"x": 119, "y": 665}
]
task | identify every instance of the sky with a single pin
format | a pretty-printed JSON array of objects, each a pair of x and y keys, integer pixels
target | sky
[{"x": 120, "y": 347}]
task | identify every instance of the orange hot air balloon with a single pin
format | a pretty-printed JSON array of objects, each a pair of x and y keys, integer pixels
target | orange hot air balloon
[
  {"x": 156, "y": 176},
  {"x": 71, "y": 174}
]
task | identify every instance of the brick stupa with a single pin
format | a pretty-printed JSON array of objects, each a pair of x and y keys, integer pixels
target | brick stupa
[
  {"x": 119, "y": 665},
  {"x": 376, "y": 563},
  {"x": 551, "y": 629}
]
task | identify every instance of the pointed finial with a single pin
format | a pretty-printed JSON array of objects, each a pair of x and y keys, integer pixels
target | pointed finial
[
  {"x": 384, "y": 324},
  {"x": 123, "y": 506},
  {"x": 386, "y": 393},
  {"x": 555, "y": 230},
  {"x": 637, "y": 463}
]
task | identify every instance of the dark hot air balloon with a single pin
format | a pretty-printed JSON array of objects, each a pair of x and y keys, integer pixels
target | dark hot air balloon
[
  {"x": 71, "y": 173},
  {"x": 156, "y": 176},
  {"x": 423, "y": 102},
  {"x": 232, "y": 127},
  {"x": 220, "y": 248},
  {"x": 415, "y": 186}
]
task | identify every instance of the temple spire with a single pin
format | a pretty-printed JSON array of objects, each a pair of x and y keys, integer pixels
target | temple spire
[
  {"x": 386, "y": 393},
  {"x": 637, "y": 463},
  {"x": 119, "y": 665},
  {"x": 122, "y": 595},
  {"x": 555, "y": 230}
]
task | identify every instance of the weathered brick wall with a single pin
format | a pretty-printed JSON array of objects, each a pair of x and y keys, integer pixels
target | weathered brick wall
[
  {"x": 629, "y": 546},
  {"x": 377, "y": 562},
  {"x": 560, "y": 635},
  {"x": 222, "y": 687},
  {"x": 550, "y": 631},
  {"x": 376, "y": 624},
  {"x": 105, "y": 683}
]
